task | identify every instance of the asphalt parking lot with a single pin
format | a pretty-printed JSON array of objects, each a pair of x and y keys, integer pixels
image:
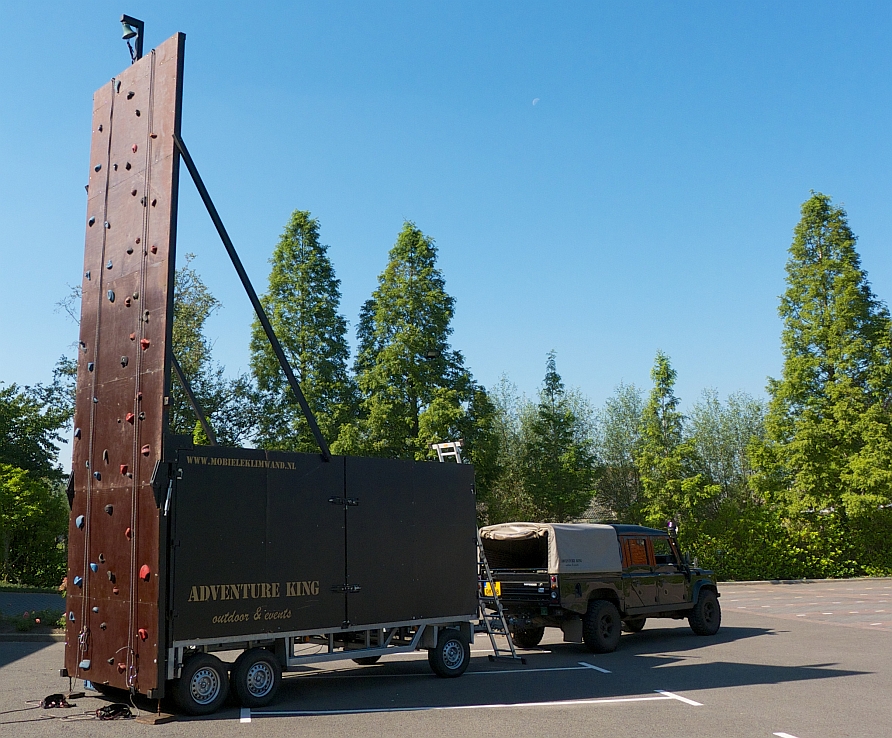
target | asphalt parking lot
[{"x": 804, "y": 660}]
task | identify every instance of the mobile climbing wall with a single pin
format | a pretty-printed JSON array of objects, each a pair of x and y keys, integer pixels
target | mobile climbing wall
[{"x": 116, "y": 560}]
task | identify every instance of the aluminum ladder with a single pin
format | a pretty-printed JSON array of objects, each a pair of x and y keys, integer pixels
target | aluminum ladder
[{"x": 494, "y": 623}]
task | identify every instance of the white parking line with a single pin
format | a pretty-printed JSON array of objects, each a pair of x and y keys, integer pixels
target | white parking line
[
  {"x": 783, "y": 735},
  {"x": 362, "y": 674},
  {"x": 592, "y": 666},
  {"x": 560, "y": 703},
  {"x": 245, "y": 715}
]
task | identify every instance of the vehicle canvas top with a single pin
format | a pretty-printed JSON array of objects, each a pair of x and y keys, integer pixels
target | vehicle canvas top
[{"x": 562, "y": 548}]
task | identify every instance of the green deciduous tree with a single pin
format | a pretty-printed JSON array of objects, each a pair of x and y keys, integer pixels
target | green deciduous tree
[
  {"x": 302, "y": 304},
  {"x": 414, "y": 388},
  {"x": 29, "y": 429},
  {"x": 618, "y": 490},
  {"x": 558, "y": 454},
  {"x": 829, "y": 424},
  {"x": 230, "y": 404}
]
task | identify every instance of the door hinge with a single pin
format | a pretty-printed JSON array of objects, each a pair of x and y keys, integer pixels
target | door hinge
[
  {"x": 346, "y": 588},
  {"x": 349, "y": 501}
]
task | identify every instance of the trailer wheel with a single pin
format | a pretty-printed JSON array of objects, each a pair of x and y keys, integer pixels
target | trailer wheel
[
  {"x": 601, "y": 627},
  {"x": 367, "y": 660},
  {"x": 255, "y": 677},
  {"x": 527, "y": 637},
  {"x": 202, "y": 687},
  {"x": 451, "y": 656}
]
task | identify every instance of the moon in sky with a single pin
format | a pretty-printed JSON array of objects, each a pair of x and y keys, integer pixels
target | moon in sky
[{"x": 535, "y": 101}]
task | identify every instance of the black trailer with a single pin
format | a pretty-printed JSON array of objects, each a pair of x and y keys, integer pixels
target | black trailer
[{"x": 178, "y": 552}]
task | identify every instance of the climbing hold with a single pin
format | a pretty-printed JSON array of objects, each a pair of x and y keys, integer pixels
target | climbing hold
[
  {"x": 78, "y": 581},
  {"x": 77, "y": 432},
  {"x": 71, "y": 616},
  {"x": 85, "y": 665},
  {"x": 133, "y": 193},
  {"x": 142, "y": 201},
  {"x": 98, "y": 476},
  {"x": 127, "y": 166},
  {"x": 127, "y": 299},
  {"x": 154, "y": 249},
  {"x": 128, "y": 534},
  {"x": 95, "y": 400},
  {"x": 136, "y": 295},
  {"x": 111, "y": 576},
  {"x": 79, "y": 521},
  {"x": 103, "y": 626},
  {"x": 124, "y": 361},
  {"x": 94, "y": 567},
  {"x": 87, "y": 464},
  {"x": 143, "y": 633},
  {"x": 89, "y": 366},
  {"x": 139, "y": 395},
  {"x": 101, "y": 558},
  {"x": 122, "y": 667},
  {"x": 109, "y": 509},
  {"x": 87, "y": 275},
  {"x": 109, "y": 264},
  {"x": 115, "y": 167},
  {"x": 146, "y": 450},
  {"x": 138, "y": 239},
  {"x": 111, "y": 295},
  {"x": 145, "y": 573},
  {"x": 154, "y": 202},
  {"x": 133, "y": 148},
  {"x": 97, "y": 167},
  {"x": 111, "y": 660},
  {"x": 130, "y": 97},
  {"x": 105, "y": 455},
  {"x": 107, "y": 224},
  {"x": 91, "y": 221},
  {"x": 153, "y": 135},
  {"x": 142, "y": 416},
  {"x": 96, "y": 609},
  {"x": 145, "y": 316},
  {"x": 118, "y": 86},
  {"x": 132, "y": 336},
  {"x": 137, "y": 113},
  {"x": 130, "y": 249},
  {"x": 129, "y": 418},
  {"x": 144, "y": 343},
  {"x": 124, "y": 469},
  {"x": 115, "y": 590},
  {"x": 100, "y": 127}
]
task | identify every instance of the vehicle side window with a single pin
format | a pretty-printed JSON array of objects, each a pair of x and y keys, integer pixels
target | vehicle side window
[
  {"x": 635, "y": 552},
  {"x": 663, "y": 553}
]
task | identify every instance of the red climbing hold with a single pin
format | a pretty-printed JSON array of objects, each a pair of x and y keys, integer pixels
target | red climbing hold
[
  {"x": 145, "y": 343},
  {"x": 133, "y": 148},
  {"x": 124, "y": 469},
  {"x": 132, "y": 336},
  {"x": 145, "y": 573},
  {"x": 129, "y": 418},
  {"x": 122, "y": 667},
  {"x": 128, "y": 534},
  {"x": 146, "y": 450},
  {"x": 143, "y": 633}
]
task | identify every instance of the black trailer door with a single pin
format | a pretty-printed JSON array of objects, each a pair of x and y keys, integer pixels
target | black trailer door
[
  {"x": 258, "y": 546},
  {"x": 411, "y": 548}
]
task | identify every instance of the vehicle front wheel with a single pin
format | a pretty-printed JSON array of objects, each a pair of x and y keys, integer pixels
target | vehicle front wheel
[
  {"x": 255, "y": 677},
  {"x": 451, "y": 656},
  {"x": 203, "y": 685},
  {"x": 527, "y": 637},
  {"x": 706, "y": 617},
  {"x": 601, "y": 627},
  {"x": 633, "y": 625}
]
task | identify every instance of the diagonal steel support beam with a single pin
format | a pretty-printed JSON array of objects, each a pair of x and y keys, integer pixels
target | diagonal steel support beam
[
  {"x": 193, "y": 400},
  {"x": 258, "y": 308}
]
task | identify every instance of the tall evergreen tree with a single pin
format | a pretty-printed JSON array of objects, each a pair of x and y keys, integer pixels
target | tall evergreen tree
[
  {"x": 415, "y": 389},
  {"x": 302, "y": 303},
  {"x": 559, "y": 456},
  {"x": 671, "y": 487},
  {"x": 829, "y": 422}
]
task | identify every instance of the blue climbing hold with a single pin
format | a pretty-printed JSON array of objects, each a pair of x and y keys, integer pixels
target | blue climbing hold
[
  {"x": 78, "y": 581},
  {"x": 79, "y": 522},
  {"x": 94, "y": 567}
]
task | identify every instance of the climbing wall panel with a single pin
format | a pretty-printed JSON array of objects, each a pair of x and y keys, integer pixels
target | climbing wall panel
[{"x": 114, "y": 612}]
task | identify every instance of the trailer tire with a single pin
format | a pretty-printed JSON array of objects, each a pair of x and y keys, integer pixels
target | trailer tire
[
  {"x": 601, "y": 627},
  {"x": 451, "y": 656},
  {"x": 203, "y": 685},
  {"x": 527, "y": 637},
  {"x": 255, "y": 677},
  {"x": 367, "y": 660}
]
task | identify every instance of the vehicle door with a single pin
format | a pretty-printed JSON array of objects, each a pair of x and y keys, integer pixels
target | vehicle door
[
  {"x": 671, "y": 583},
  {"x": 639, "y": 580}
]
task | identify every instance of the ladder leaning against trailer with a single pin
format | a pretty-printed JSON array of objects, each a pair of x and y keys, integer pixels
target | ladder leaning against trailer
[{"x": 488, "y": 597}]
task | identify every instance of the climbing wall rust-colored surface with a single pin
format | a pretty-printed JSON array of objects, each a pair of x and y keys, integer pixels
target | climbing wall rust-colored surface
[{"x": 115, "y": 619}]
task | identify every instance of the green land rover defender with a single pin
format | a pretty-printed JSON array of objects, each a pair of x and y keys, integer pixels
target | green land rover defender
[{"x": 594, "y": 581}]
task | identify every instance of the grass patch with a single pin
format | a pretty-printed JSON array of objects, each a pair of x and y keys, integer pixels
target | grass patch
[
  {"x": 25, "y": 622},
  {"x": 25, "y": 589}
]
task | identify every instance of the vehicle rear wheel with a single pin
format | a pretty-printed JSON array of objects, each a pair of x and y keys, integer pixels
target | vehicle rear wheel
[
  {"x": 633, "y": 625},
  {"x": 255, "y": 677},
  {"x": 527, "y": 637},
  {"x": 203, "y": 685},
  {"x": 367, "y": 660},
  {"x": 601, "y": 627},
  {"x": 706, "y": 617},
  {"x": 451, "y": 656}
]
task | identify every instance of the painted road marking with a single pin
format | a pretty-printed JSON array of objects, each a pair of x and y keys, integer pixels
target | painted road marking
[
  {"x": 662, "y": 695},
  {"x": 783, "y": 735},
  {"x": 592, "y": 666},
  {"x": 245, "y": 715},
  {"x": 362, "y": 674}
]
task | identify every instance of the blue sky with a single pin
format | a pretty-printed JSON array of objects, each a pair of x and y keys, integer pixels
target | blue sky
[{"x": 645, "y": 201}]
